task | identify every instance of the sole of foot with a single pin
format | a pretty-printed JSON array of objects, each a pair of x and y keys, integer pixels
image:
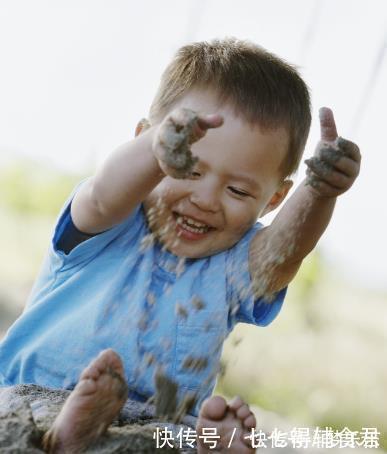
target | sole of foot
[{"x": 91, "y": 407}]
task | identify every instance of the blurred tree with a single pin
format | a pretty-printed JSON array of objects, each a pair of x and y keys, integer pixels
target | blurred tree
[
  {"x": 305, "y": 287},
  {"x": 33, "y": 188}
]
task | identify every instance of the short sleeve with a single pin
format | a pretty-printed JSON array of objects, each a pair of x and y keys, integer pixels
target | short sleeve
[
  {"x": 91, "y": 247},
  {"x": 244, "y": 307},
  {"x": 71, "y": 236}
]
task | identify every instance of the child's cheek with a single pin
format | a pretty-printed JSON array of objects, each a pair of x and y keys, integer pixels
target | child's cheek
[{"x": 244, "y": 226}]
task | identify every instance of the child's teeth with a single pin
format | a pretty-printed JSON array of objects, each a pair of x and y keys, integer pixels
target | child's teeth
[
  {"x": 191, "y": 225},
  {"x": 193, "y": 222}
]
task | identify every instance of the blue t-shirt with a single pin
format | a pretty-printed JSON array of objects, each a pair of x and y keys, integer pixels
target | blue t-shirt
[{"x": 119, "y": 290}]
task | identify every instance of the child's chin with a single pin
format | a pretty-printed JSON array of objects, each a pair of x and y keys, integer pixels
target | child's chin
[
  {"x": 188, "y": 252},
  {"x": 192, "y": 252}
]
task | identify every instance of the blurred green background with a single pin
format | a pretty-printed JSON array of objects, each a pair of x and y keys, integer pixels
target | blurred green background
[{"x": 321, "y": 363}]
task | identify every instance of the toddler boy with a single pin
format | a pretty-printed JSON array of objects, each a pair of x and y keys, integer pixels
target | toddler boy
[{"x": 156, "y": 257}]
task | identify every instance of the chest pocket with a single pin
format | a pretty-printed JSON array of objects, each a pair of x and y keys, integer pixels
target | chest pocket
[{"x": 199, "y": 340}]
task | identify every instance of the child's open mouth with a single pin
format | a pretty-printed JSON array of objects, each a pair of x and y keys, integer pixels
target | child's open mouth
[{"x": 189, "y": 228}]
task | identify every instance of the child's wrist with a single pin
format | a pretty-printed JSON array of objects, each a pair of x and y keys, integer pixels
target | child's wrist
[{"x": 314, "y": 191}]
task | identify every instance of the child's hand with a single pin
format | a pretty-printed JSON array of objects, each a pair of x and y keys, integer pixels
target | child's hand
[
  {"x": 336, "y": 161},
  {"x": 173, "y": 138}
]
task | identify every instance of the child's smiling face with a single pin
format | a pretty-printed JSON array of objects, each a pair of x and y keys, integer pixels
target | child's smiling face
[{"x": 236, "y": 180}]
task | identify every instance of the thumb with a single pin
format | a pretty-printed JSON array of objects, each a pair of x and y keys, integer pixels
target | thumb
[
  {"x": 327, "y": 125},
  {"x": 210, "y": 121}
]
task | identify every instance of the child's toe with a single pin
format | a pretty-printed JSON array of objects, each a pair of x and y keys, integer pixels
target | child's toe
[
  {"x": 236, "y": 403},
  {"x": 250, "y": 421},
  {"x": 214, "y": 407},
  {"x": 86, "y": 386},
  {"x": 243, "y": 412},
  {"x": 113, "y": 358},
  {"x": 90, "y": 372},
  {"x": 108, "y": 359}
]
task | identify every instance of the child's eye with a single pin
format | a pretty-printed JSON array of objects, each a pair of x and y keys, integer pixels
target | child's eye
[
  {"x": 238, "y": 192},
  {"x": 195, "y": 174}
]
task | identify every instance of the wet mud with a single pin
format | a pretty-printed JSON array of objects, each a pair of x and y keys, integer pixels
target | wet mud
[
  {"x": 325, "y": 156},
  {"x": 175, "y": 142}
]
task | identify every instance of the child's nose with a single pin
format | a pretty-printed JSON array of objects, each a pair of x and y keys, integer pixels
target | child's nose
[{"x": 206, "y": 198}]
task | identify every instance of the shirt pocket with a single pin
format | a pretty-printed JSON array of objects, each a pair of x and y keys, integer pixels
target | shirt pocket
[{"x": 199, "y": 342}]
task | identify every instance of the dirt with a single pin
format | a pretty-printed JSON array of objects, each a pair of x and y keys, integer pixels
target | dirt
[
  {"x": 326, "y": 154},
  {"x": 166, "y": 396},
  {"x": 18, "y": 432},
  {"x": 175, "y": 141},
  {"x": 281, "y": 246},
  {"x": 29, "y": 410},
  {"x": 269, "y": 256}
]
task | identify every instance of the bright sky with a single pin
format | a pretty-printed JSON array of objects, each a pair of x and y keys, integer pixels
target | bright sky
[{"x": 76, "y": 75}]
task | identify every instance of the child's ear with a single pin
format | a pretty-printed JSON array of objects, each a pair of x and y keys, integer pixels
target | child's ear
[
  {"x": 142, "y": 126},
  {"x": 278, "y": 196}
]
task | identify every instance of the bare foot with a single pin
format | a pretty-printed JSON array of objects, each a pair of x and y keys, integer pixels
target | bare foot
[
  {"x": 225, "y": 418},
  {"x": 90, "y": 408}
]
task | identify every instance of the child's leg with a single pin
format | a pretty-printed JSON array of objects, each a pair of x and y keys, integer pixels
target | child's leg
[
  {"x": 91, "y": 407},
  {"x": 232, "y": 422}
]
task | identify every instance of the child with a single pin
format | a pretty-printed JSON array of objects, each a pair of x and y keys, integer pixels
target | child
[{"x": 156, "y": 257}]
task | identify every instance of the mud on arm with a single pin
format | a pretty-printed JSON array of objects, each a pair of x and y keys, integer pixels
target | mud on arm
[{"x": 277, "y": 251}]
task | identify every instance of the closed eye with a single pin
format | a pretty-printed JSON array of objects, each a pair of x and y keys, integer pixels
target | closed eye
[
  {"x": 195, "y": 174},
  {"x": 238, "y": 192}
]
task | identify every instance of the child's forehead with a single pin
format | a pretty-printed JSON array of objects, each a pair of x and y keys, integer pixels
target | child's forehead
[
  {"x": 251, "y": 163},
  {"x": 238, "y": 142},
  {"x": 208, "y": 100},
  {"x": 200, "y": 99}
]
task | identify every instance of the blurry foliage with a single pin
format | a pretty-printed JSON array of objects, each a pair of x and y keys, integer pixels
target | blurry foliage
[
  {"x": 32, "y": 188},
  {"x": 320, "y": 363}
]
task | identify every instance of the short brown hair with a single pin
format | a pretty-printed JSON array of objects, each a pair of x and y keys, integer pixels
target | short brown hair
[{"x": 262, "y": 87}]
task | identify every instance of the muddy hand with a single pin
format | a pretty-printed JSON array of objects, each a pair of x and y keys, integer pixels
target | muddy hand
[
  {"x": 176, "y": 133},
  {"x": 336, "y": 162}
]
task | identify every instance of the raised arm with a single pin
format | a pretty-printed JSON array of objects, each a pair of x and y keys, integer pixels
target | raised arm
[
  {"x": 277, "y": 251},
  {"x": 131, "y": 172}
]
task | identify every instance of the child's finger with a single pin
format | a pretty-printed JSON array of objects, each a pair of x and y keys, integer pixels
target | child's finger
[
  {"x": 349, "y": 148},
  {"x": 181, "y": 116},
  {"x": 321, "y": 186},
  {"x": 328, "y": 174},
  {"x": 210, "y": 121},
  {"x": 343, "y": 164},
  {"x": 202, "y": 124},
  {"x": 327, "y": 125}
]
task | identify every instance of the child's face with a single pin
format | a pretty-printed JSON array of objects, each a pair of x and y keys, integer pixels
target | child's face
[{"x": 236, "y": 180}]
